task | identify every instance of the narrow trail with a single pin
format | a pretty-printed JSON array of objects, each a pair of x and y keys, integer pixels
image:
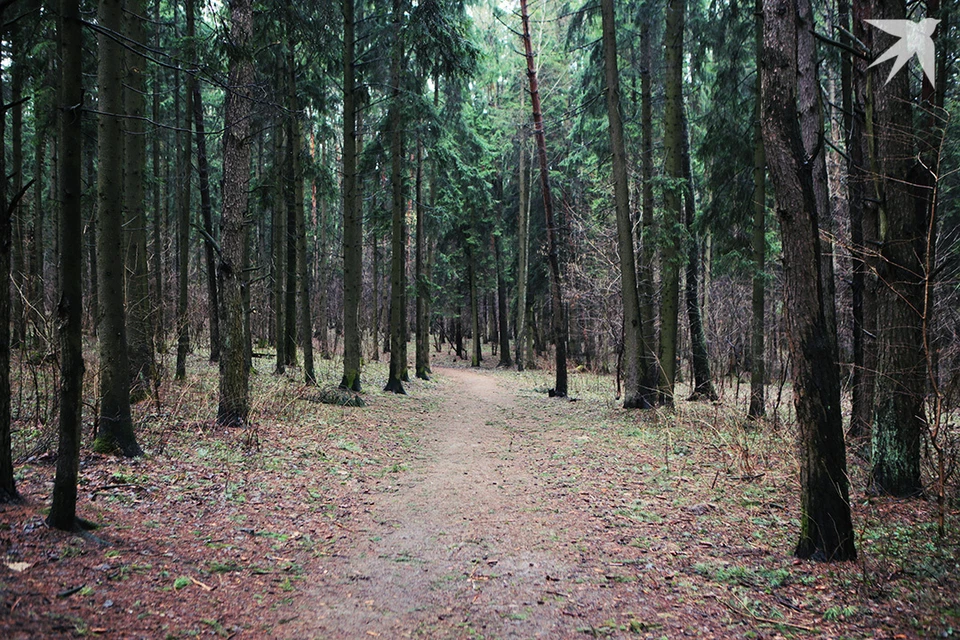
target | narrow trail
[{"x": 467, "y": 545}]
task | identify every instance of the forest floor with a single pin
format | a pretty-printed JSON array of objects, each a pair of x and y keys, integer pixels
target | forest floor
[{"x": 474, "y": 507}]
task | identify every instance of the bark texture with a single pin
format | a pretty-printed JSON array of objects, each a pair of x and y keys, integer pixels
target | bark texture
[{"x": 826, "y": 530}]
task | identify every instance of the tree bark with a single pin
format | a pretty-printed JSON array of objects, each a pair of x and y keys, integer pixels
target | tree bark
[
  {"x": 159, "y": 326},
  {"x": 279, "y": 249},
  {"x": 476, "y": 355},
  {"x": 556, "y": 287},
  {"x": 234, "y": 404},
  {"x": 206, "y": 214},
  {"x": 422, "y": 362},
  {"x": 645, "y": 283},
  {"x": 63, "y": 510},
  {"x": 826, "y": 530},
  {"x": 115, "y": 422},
  {"x": 183, "y": 213},
  {"x": 634, "y": 348},
  {"x": 503, "y": 332},
  {"x": 352, "y": 219},
  {"x": 673, "y": 149},
  {"x": 906, "y": 193},
  {"x": 140, "y": 347},
  {"x": 8, "y": 486},
  {"x": 703, "y": 380},
  {"x": 758, "y": 244},
  {"x": 523, "y": 228}
]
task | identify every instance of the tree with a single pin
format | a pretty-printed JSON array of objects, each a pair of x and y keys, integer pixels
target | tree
[
  {"x": 8, "y": 487},
  {"x": 115, "y": 422},
  {"x": 398, "y": 363},
  {"x": 672, "y": 197},
  {"x": 140, "y": 347},
  {"x": 556, "y": 287},
  {"x": 634, "y": 346},
  {"x": 906, "y": 187},
  {"x": 234, "y": 405},
  {"x": 183, "y": 211},
  {"x": 352, "y": 219},
  {"x": 758, "y": 243},
  {"x": 206, "y": 215},
  {"x": 826, "y": 529},
  {"x": 63, "y": 510}
]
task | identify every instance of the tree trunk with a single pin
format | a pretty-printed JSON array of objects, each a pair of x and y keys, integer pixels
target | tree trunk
[
  {"x": 183, "y": 214},
  {"x": 703, "y": 380},
  {"x": 812, "y": 130},
  {"x": 673, "y": 149},
  {"x": 206, "y": 214},
  {"x": 157, "y": 295},
  {"x": 523, "y": 228},
  {"x": 476, "y": 355},
  {"x": 397, "y": 266},
  {"x": 352, "y": 219},
  {"x": 63, "y": 510},
  {"x": 502, "y": 322},
  {"x": 634, "y": 347},
  {"x": 234, "y": 405},
  {"x": 556, "y": 290},
  {"x": 115, "y": 422},
  {"x": 140, "y": 348},
  {"x": 645, "y": 284},
  {"x": 904, "y": 209},
  {"x": 279, "y": 249},
  {"x": 864, "y": 232},
  {"x": 290, "y": 262},
  {"x": 758, "y": 244},
  {"x": 422, "y": 288},
  {"x": 16, "y": 241},
  {"x": 826, "y": 530},
  {"x": 295, "y": 202},
  {"x": 8, "y": 486}
]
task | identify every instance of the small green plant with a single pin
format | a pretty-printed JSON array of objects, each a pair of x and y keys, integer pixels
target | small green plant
[{"x": 181, "y": 582}]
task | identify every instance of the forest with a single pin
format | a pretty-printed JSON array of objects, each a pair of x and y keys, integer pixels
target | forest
[{"x": 479, "y": 318}]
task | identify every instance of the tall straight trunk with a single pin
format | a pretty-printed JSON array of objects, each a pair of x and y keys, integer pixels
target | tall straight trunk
[
  {"x": 375, "y": 310},
  {"x": 645, "y": 285},
  {"x": 234, "y": 404},
  {"x": 294, "y": 196},
  {"x": 906, "y": 186},
  {"x": 476, "y": 353},
  {"x": 322, "y": 271},
  {"x": 140, "y": 347},
  {"x": 826, "y": 529},
  {"x": 812, "y": 130},
  {"x": 863, "y": 199},
  {"x": 8, "y": 486},
  {"x": 34, "y": 288},
  {"x": 672, "y": 197},
  {"x": 531, "y": 357},
  {"x": 352, "y": 220},
  {"x": 206, "y": 215},
  {"x": 703, "y": 380},
  {"x": 183, "y": 212},
  {"x": 397, "y": 265},
  {"x": 116, "y": 424},
  {"x": 290, "y": 261},
  {"x": 279, "y": 230},
  {"x": 523, "y": 228},
  {"x": 63, "y": 510},
  {"x": 634, "y": 347},
  {"x": 502, "y": 313},
  {"x": 758, "y": 243},
  {"x": 556, "y": 290},
  {"x": 422, "y": 362},
  {"x": 16, "y": 239},
  {"x": 157, "y": 262},
  {"x": 92, "y": 234}
]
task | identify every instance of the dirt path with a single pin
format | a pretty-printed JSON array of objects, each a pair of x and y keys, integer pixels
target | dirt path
[{"x": 465, "y": 546}]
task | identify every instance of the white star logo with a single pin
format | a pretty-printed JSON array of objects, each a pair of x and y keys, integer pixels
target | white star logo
[{"x": 915, "y": 38}]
